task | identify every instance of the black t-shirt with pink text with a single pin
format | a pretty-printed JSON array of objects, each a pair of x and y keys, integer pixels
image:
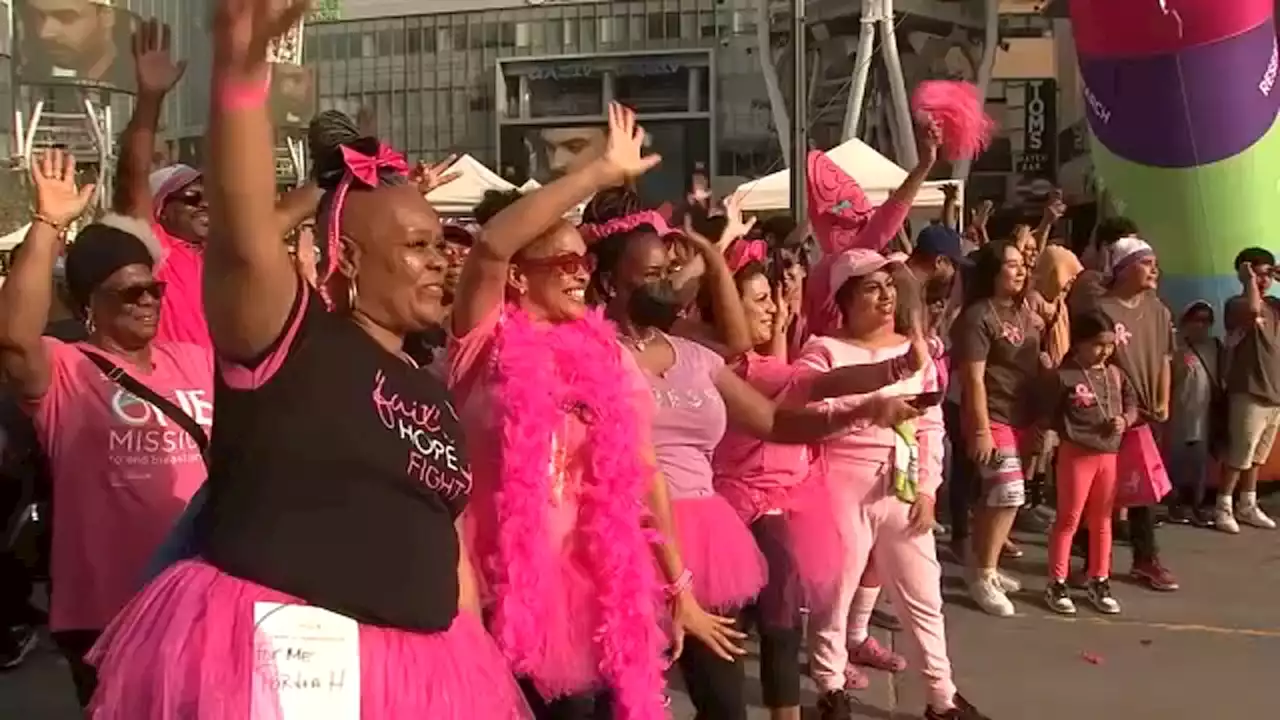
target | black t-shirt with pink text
[{"x": 338, "y": 471}]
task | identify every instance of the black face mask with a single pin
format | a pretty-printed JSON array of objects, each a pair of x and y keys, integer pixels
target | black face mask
[{"x": 655, "y": 305}]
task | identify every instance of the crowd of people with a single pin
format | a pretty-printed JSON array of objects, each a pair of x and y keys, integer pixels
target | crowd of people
[{"x": 538, "y": 464}]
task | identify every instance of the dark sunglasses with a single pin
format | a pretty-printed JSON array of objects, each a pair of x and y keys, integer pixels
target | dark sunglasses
[
  {"x": 190, "y": 198},
  {"x": 566, "y": 263},
  {"x": 132, "y": 294}
]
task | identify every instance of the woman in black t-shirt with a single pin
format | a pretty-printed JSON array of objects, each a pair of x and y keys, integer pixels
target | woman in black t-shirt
[{"x": 332, "y": 577}]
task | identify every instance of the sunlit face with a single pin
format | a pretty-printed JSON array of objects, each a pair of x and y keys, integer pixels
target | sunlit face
[
  {"x": 644, "y": 260},
  {"x": 1264, "y": 276},
  {"x": 456, "y": 248},
  {"x": 872, "y": 301},
  {"x": 793, "y": 270},
  {"x": 126, "y": 306},
  {"x": 551, "y": 276},
  {"x": 1012, "y": 279},
  {"x": 185, "y": 214},
  {"x": 1143, "y": 274},
  {"x": 1197, "y": 325},
  {"x": 397, "y": 258},
  {"x": 1097, "y": 350},
  {"x": 71, "y": 32},
  {"x": 1027, "y": 245},
  {"x": 757, "y": 301},
  {"x": 570, "y": 149}
]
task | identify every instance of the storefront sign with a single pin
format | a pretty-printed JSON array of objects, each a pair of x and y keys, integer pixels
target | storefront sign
[{"x": 1040, "y": 132}]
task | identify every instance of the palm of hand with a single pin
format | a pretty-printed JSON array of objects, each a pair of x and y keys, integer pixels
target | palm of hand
[
  {"x": 60, "y": 200},
  {"x": 157, "y": 71}
]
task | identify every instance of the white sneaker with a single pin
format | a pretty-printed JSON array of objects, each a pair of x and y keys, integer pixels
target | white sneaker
[
  {"x": 1007, "y": 582},
  {"x": 989, "y": 596},
  {"x": 1058, "y": 598},
  {"x": 1225, "y": 521},
  {"x": 1253, "y": 515},
  {"x": 1100, "y": 596}
]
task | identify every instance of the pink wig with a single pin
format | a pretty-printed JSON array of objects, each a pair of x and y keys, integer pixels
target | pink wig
[{"x": 958, "y": 110}]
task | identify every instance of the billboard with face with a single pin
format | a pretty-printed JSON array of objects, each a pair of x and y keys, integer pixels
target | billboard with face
[
  {"x": 73, "y": 42},
  {"x": 293, "y": 97}
]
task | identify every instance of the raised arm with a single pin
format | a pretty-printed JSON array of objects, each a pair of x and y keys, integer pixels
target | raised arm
[
  {"x": 483, "y": 281},
  {"x": 156, "y": 73},
  {"x": 250, "y": 283},
  {"x": 27, "y": 293},
  {"x": 887, "y": 219}
]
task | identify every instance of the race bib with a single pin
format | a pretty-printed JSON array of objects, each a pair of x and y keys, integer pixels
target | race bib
[{"x": 307, "y": 663}]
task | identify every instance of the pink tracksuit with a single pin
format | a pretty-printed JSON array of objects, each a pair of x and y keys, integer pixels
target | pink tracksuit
[{"x": 873, "y": 519}]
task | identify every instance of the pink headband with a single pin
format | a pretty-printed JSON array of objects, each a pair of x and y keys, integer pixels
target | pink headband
[
  {"x": 363, "y": 169},
  {"x": 745, "y": 252},
  {"x": 592, "y": 232}
]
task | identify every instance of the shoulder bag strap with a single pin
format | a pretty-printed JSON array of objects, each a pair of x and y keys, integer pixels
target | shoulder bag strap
[{"x": 117, "y": 375}]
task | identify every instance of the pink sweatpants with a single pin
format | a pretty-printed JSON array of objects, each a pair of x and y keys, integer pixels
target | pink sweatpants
[
  {"x": 1086, "y": 489},
  {"x": 876, "y": 523}
]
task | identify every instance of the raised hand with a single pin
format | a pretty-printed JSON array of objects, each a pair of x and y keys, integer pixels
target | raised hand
[
  {"x": 1055, "y": 207},
  {"x": 428, "y": 177},
  {"x": 244, "y": 29},
  {"x": 154, "y": 67},
  {"x": 928, "y": 140},
  {"x": 58, "y": 199},
  {"x": 624, "y": 156},
  {"x": 735, "y": 228}
]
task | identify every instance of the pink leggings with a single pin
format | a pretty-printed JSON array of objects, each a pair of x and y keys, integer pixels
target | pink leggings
[{"x": 1086, "y": 488}]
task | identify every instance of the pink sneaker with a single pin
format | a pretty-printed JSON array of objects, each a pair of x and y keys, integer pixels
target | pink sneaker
[
  {"x": 855, "y": 679},
  {"x": 874, "y": 655}
]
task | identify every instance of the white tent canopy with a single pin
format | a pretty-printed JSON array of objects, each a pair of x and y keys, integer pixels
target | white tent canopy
[
  {"x": 878, "y": 175},
  {"x": 13, "y": 239},
  {"x": 461, "y": 195}
]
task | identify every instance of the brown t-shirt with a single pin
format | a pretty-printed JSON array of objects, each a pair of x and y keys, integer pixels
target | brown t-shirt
[
  {"x": 1085, "y": 292},
  {"x": 1083, "y": 403},
  {"x": 1008, "y": 341},
  {"x": 1144, "y": 343},
  {"x": 1255, "y": 355}
]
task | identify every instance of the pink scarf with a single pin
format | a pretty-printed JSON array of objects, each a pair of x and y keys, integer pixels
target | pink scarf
[{"x": 541, "y": 372}]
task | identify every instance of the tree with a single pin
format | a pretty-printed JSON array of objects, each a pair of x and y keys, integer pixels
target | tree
[{"x": 327, "y": 10}]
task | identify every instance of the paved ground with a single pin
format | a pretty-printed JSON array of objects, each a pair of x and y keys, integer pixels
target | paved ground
[{"x": 1209, "y": 651}]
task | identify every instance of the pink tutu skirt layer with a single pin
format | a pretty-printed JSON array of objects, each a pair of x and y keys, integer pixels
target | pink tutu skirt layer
[
  {"x": 812, "y": 538},
  {"x": 570, "y": 659},
  {"x": 717, "y": 547},
  {"x": 183, "y": 649}
]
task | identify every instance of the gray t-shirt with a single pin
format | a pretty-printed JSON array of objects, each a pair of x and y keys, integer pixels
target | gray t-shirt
[
  {"x": 1255, "y": 358},
  {"x": 1196, "y": 374}
]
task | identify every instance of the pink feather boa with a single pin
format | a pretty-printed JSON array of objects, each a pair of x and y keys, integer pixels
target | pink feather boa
[
  {"x": 960, "y": 114},
  {"x": 540, "y": 373}
]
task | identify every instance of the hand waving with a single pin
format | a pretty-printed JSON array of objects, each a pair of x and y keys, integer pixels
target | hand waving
[
  {"x": 735, "y": 228},
  {"x": 154, "y": 68},
  {"x": 429, "y": 177},
  {"x": 58, "y": 200},
  {"x": 244, "y": 29},
  {"x": 624, "y": 156},
  {"x": 928, "y": 140}
]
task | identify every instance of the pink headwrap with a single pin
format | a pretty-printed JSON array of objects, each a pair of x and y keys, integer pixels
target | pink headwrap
[
  {"x": 744, "y": 252},
  {"x": 592, "y": 232},
  {"x": 363, "y": 169}
]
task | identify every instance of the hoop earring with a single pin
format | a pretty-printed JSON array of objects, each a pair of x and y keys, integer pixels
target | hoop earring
[
  {"x": 89, "y": 326},
  {"x": 352, "y": 296}
]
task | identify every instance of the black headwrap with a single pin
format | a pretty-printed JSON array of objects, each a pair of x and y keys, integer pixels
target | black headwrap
[{"x": 98, "y": 251}]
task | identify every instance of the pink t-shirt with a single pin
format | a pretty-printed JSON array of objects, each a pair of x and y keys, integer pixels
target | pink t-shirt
[
  {"x": 852, "y": 455},
  {"x": 470, "y": 358},
  {"x": 182, "y": 315},
  {"x": 122, "y": 472},
  {"x": 689, "y": 419},
  {"x": 751, "y": 473}
]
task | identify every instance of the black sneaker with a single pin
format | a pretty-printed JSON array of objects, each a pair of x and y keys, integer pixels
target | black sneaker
[
  {"x": 16, "y": 644},
  {"x": 1058, "y": 598},
  {"x": 1180, "y": 515},
  {"x": 1100, "y": 597},
  {"x": 1202, "y": 517},
  {"x": 835, "y": 705},
  {"x": 963, "y": 710}
]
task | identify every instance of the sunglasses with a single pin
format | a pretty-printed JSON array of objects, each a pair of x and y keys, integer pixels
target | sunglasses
[
  {"x": 132, "y": 294},
  {"x": 190, "y": 198},
  {"x": 566, "y": 263}
]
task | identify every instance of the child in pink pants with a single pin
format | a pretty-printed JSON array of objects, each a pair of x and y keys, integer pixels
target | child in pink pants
[{"x": 1091, "y": 405}]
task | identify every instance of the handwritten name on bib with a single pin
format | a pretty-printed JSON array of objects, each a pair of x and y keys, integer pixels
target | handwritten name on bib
[{"x": 307, "y": 663}]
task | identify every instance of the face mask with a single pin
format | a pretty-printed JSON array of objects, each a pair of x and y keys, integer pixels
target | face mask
[{"x": 654, "y": 305}]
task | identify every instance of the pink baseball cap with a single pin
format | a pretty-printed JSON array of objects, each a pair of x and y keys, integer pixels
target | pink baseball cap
[
  {"x": 169, "y": 180},
  {"x": 858, "y": 263}
]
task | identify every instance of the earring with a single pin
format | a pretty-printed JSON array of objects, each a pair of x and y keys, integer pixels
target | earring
[
  {"x": 89, "y": 326},
  {"x": 352, "y": 295}
]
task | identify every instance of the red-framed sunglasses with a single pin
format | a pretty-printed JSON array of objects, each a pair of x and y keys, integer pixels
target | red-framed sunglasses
[{"x": 569, "y": 263}]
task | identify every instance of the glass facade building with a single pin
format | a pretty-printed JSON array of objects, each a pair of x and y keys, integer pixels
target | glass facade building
[{"x": 498, "y": 82}]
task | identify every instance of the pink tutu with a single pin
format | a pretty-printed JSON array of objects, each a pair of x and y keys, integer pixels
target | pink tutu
[
  {"x": 716, "y": 546},
  {"x": 184, "y": 648},
  {"x": 811, "y": 535}
]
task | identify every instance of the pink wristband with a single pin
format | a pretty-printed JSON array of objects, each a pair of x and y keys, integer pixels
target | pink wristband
[{"x": 244, "y": 95}]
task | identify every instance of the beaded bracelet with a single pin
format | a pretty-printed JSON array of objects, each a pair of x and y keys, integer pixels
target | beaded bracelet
[
  {"x": 42, "y": 218},
  {"x": 682, "y": 583}
]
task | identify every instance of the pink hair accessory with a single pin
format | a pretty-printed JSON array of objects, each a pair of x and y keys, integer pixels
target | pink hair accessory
[
  {"x": 595, "y": 231},
  {"x": 365, "y": 167},
  {"x": 745, "y": 252},
  {"x": 957, "y": 108},
  {"x": 244, "y": 95}
]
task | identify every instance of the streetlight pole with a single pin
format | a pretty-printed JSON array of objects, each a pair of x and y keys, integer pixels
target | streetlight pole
[{"x": 799, "y": 112}]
